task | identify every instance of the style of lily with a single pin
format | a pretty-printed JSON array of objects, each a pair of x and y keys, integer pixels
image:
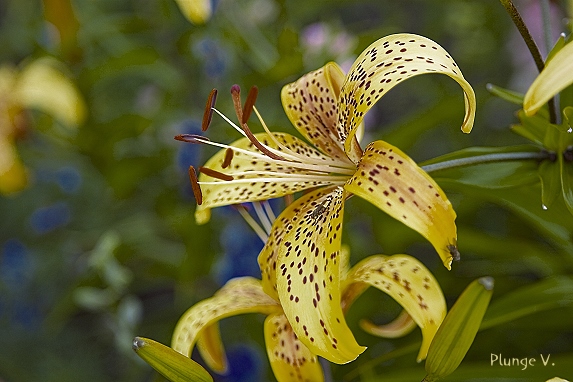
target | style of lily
[
  {"x": 402, "y": 277},
  {"x": 557, "y": 173},
  {"x": 300, "y": 262},
  {"x": 39, "y": 85}
]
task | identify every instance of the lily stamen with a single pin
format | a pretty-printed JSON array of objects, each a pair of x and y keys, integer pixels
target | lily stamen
[
  {"x": 229, "y": 153},
  {"x": 249, "y": 103},
  {"x": 192, "y": 138},
  {"x": 195, "y": 185},
  {"x": 263, "y": 218},
  {"x": 252, "y": 222},
  {"x": 236, "y": 95},
  {"x": 215, "y": 174},
  {"x": 208, "y": 114}
]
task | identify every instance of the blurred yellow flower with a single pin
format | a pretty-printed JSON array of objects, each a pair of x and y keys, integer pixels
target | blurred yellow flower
[
  {"x": 38, "y": 85},
  {"x": 196, "y": 11}
]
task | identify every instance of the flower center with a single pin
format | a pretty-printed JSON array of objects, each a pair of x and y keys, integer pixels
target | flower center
[{"x": 277, "y": 158}]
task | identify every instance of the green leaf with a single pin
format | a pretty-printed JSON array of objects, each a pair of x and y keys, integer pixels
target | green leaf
[
  {"x": 508, "y": 95},
  {"x": 560, "y": 43},
  {"x": 169, "y": 363},
  {"x": 458, "y": 330},
  {"x": 551, "y": 293},
  {"x": 567, "y": 177},
  {"x": 550, "y": 182},
  {"x": 531, "y": 128},
  {"x": 486, "y": 167},
  {"x": 568, "y": 118}
]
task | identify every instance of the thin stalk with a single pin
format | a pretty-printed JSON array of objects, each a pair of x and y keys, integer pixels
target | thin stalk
[
  {"x": 532, "y": 46},
  {"x": 546, "y": 21},
  {"x": 522, "y": 28},
  {"x": 486, "y": 158}
]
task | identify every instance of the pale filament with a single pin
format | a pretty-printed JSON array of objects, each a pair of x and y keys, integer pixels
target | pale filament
[
  {"x": 266, "y": 217},
  {"x": 340, "y": 166},
  {"x": 307, "y": 166}
]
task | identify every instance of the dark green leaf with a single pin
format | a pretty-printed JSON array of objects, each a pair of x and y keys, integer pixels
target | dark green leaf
[
  {"x": 508, "y": 95},
  {"x": 533, "y": 128},
  {"x": 550, "y": 182},
  {"x": 567, "y": 179},
  {"x": 551, "y": 293}
]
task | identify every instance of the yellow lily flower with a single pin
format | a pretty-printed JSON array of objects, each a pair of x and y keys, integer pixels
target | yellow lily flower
[
  {"x": 299, "y": 263},
  {"x": 40, "y": 85},
  {"x": 401, "y": 276},
  {"x": 556, "y": 76}
]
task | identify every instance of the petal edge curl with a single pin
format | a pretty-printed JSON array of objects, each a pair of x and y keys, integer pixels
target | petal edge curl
[
  {"x": 392, "y": 181},
  {"x": 385, "y": 63}
]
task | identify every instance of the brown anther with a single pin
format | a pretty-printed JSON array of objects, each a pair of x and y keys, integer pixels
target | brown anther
[
  {"x": 228, "y": 157},
  {"x": 249, "y": 103},
  {"x": 236, "y": 95},
  {"x": 191, "y": 138},
  {"x": 208, "y": 115},
  {"x": 195, "y": 185},
  {"x": 215, "y": 174}
]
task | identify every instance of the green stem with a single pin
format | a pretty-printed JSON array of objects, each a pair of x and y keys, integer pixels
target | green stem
[
  {"x": 531, "y": 45},
  {"x": 546, "y": 18},
  {"x": 518, "y": 21},
  {"x": 486, "y": 158}
]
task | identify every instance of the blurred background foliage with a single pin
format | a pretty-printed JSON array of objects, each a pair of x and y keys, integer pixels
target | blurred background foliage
[{"x": 100, "y": 245}]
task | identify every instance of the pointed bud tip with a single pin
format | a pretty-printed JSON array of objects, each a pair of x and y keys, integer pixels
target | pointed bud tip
[
  {"x": 138, "y": 343},
  {"x": 487, "y": 282}
]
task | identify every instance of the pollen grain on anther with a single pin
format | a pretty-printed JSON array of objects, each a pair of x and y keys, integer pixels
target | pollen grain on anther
[
  {"x": 249, "y": 103},
  {"x": 208, "y": 115},
  {"x": 195, "y": 185},
  {"x": 229, "y": 153},
  {"x": 215, "y": 174}
]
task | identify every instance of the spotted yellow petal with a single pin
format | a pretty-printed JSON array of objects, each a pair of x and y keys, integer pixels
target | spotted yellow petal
[
  {"x": 412, "y": 285},
  {"x": 308, "y": 274},
  {"x": 241, "y": 295},
  {"x": 393, "y": 182},
  {"x": 556, "y": 76},
  {"x": 311, "y": 105},
  {"x": 196, "y": 11},
  {"x": 43, "y": 86},
  {"x": 290, "y": 359},
  {"x": 211, "y": 348},
  {"x": 255, "y": 176},
  {"x": 384, "y": 64},
  {"x": 401, "y": 326}
]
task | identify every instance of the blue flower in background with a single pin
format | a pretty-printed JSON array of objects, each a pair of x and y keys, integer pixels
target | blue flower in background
[
  {"x": 245, "y": 365},
  {"x": 69, "y": 179},
  {"x": 213, "y": 56},
  {"x": 241, "y": 247},
  {"x": 14, "y": 264},
  {"x": 15, "y": 274},
  {"x": 49, "y": 218}
]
